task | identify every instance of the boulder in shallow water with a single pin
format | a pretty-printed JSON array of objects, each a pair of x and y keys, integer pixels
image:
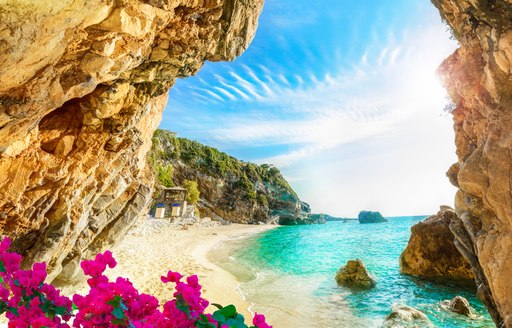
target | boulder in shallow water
[
  {"x": 459, "y": 305},
  {"x": 431, "y": 253},
  {"x": 402, "y": 316},
  {"x": 370, "y": 217},
  {"x": 355, "y": 275}
]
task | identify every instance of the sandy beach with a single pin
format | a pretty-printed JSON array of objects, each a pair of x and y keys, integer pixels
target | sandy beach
[{"x": 154, "y": 247}]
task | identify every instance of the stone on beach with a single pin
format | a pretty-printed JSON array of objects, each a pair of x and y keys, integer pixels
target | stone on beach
[
  {"x": 459, "y": 305},
  {"x": 406, "y": 316}
]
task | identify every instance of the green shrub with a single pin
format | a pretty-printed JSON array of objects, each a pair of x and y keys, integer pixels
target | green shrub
[
  {"x": 262, "y": 200},
  {"x": 164, "y": 175},
  {"x": 193, "y": 191}
]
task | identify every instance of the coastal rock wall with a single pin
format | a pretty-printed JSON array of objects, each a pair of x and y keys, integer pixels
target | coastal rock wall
[
  {"x": 478, "y": 77},
  {"x": 84, "y": 84}
]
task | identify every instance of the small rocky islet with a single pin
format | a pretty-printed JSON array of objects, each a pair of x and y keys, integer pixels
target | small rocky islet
[{"x": 370, "y": 217}]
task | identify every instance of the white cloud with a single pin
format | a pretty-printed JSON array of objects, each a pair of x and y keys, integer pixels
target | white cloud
[{"x": 369, "y": 100}]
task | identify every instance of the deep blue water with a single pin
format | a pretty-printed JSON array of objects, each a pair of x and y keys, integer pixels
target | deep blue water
[{"x": 289, "y": 271}]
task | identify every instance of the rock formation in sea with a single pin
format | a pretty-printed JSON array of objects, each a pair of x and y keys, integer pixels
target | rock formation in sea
[
  {"x": 84, "y": 84},
  {"x": 406, "y": 316},
  {"x": 478, "y": 79},
  {"x": 230, "y": 189},
  {"x": 431, "y": 253},
  {"x": 355, "y": 275},
  {"x": 459, "y": 305},
  {"x": 371, "y": 217}
]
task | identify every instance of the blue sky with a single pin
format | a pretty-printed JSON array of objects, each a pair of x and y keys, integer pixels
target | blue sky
[{"x": 342, "y": 96}]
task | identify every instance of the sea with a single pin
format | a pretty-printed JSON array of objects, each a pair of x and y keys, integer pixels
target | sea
[{"x": 288, "y": 273}]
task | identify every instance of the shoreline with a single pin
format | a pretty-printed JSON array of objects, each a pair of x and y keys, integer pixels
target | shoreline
[
  {"x": 215, "y": 283},
  {"x": 154, "y": 247}
]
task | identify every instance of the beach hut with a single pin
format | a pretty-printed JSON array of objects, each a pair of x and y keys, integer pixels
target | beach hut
[{"x": 174, "y": 201}]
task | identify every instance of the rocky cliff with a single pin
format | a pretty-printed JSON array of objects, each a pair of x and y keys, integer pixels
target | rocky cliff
[
  {"x": 431, "y": 253},
  {"x": 478, "y": 77},
  {"x": 84, "y": 84},
  {"x": 230, "y": 189}
]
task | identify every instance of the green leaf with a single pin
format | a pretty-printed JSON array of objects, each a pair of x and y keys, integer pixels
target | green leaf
[
  {"x": 236, "y": 323},
  {"x": 183, "y": 308},
  {"x": 60, "y": 310},
  {"x": 118, "y": 322},
  {"x": 2, "y": 267},
  {"x": 181, "y": 305},
  {"x": 45, "y": 306},
  {"x": 115, "y": 302},
  {"x": 74, "y": 307},
  {"x": 219, "y": 317},
  {"x": 218, "y": 306},
  {"x": 14, "y": 311},
  {"x": 118, "y": 313},
  {"x": 228, "y": 311}
]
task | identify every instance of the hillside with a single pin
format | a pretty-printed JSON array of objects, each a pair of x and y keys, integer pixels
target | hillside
[
  {"x": 230, "y": 189},
  {"x": 329, "y": 218}
]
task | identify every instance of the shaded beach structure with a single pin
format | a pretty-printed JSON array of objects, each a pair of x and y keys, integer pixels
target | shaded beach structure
[{"x": 171, "y": 203}]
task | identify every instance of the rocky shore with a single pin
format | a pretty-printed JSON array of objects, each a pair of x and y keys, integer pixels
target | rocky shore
[{"x": 431, "y": 253}]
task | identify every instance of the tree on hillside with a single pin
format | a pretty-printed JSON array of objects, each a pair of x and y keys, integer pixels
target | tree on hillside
[
  {"x": 164, "y": 175},
  {"x": 193, "y": 191}
]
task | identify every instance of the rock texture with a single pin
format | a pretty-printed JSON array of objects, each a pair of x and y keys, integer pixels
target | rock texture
[
  {"x": 371, "y": 217},
  {"x": 355, "y": 275},
  {"x": 230, "y": 189},
  {"x": 402, "y": 316},
  {"x": 431, "y": 253},
  {"x": 459, "y": 305},
  {"x": 84, "y": 84},
  {"x": 478, "y": 77}
]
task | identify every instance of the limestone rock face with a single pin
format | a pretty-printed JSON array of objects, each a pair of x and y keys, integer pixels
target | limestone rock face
[
  {"x": 355, "y": 275},
  {"x": 402, "y": 316},
  {"x": 459, "y": 305},
  {"x": 84, "y": 84},
  {"x": 478, "y": 77},
  {"x": 431, "y": 253}
]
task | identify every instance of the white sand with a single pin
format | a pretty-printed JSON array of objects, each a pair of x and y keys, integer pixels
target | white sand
[{"x": 155, "y": 247}]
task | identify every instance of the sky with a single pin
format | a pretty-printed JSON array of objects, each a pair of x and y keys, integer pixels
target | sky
[{"x": 342, "y": 96}]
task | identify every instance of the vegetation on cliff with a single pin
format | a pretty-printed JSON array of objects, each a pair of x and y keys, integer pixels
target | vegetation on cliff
[
  {"x": 192, "y": 190},
  {"x": 230, "y": 189}
]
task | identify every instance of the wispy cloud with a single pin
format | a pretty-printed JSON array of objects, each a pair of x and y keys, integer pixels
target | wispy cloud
[{"x": 315, "y": 114}]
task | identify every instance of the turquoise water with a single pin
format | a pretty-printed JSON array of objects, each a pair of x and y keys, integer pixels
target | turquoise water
[{"x": 288, "y": 273}]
